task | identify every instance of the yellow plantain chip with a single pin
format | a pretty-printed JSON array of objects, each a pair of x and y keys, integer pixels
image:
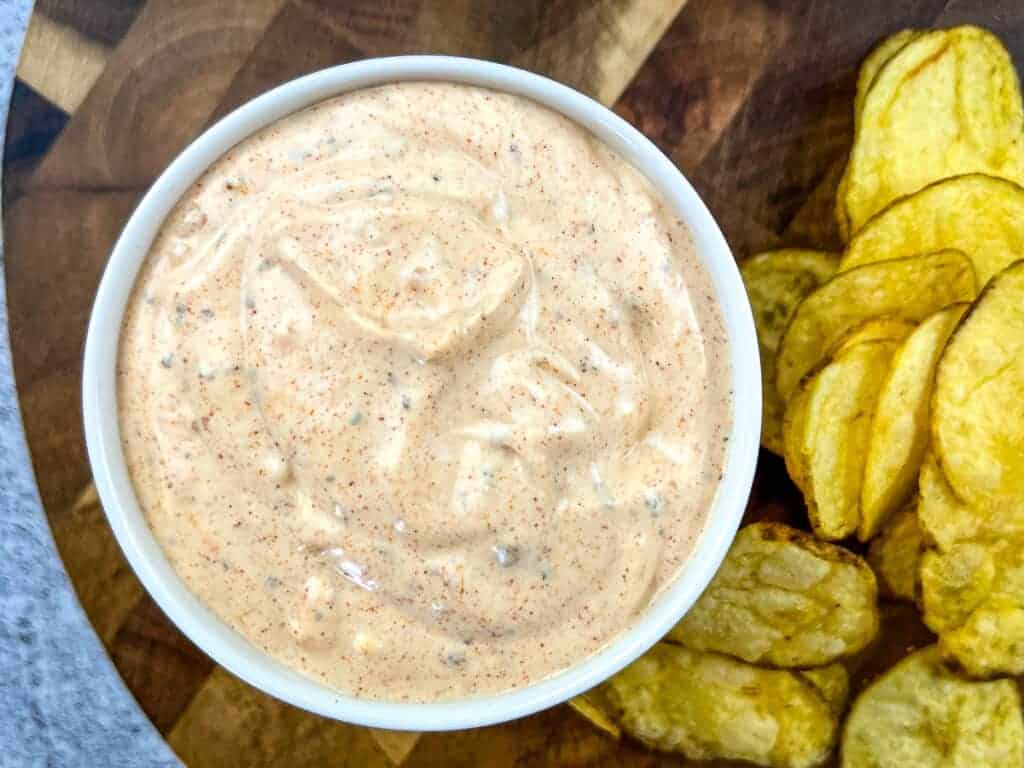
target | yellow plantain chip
[
  {"x": 900, "y": 428},
  {"x": 947, "y": 521},
  {"x": 978, "y": 425},
  {"x": 707, "y": 706},
  {"x": 911, "y": 288},
  {"x": 895, "y": 555},
  {"x": 991, "y": 642},
  {"x": 981, "y": 216},
  {"x": 793, "y": 426},
  {"x": 944, "y": 519},
  {"x": 884, "y": 328},
  {"x": 947, "y": 103},
  {"x": 973, "y": 598},
  {"x": 785, "y": 599},
  {"x": 840, "y": 400},
  {"x": 833, "y": 683},
  {"x": 777, "y": 281},
  {"x": 869, "y": 69},
  {"x": 921, "y": 714},
  {"x": 592, "y": 706},
  {"x": 873, "y": 63},
  {"x": 955, "y": 584}
]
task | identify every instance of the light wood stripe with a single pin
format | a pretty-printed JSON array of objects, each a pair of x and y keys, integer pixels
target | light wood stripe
[
  {"x": 59, "y": 62},
  {"x": 618, "y": 37},
  {"x": 230, "y": 723},
  {"x": 396, "y": 744}
]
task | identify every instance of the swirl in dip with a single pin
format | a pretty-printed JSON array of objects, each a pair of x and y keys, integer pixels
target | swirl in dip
[{"x": 424, "y": 391}]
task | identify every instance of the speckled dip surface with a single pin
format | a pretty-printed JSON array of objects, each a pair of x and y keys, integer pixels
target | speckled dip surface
[{"x": 425, "y": 392}]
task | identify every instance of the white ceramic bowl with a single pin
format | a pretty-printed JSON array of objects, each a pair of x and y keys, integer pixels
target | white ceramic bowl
[{"x": 229, "y": 648}]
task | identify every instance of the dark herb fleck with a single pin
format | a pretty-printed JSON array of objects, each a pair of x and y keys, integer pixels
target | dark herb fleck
[
  {"x": 454, "y": 658},
  {"x": 506, "y": 555}
]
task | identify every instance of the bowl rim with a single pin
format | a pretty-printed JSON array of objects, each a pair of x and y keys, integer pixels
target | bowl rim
[{"x": 229, "y": 648}]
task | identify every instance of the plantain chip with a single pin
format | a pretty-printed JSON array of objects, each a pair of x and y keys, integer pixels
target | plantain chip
[
  {"x": 980, "y": 215},
  {"x": 777, "y": 281},
  {"x": 873, "y": 63},
  {"x": 706, "y": 706},
  {"x": 833, "y": 683},
  {"x": 947, "y": 103},
  {"x": 884, "y": 328},
  {"x": 900, "y": 428},
  {"x": 895, "y": 555},
  {"x": 944, "y": 519},
  {"x": 910, "y": 288},
  {"x": 869, "y": 68},
  {"x": 954, "y": 584},
  {"x": 593, "y": 707},
  {"x": 840, "y": 400},
  {"x": 785, "y": 599},
  {"x": 920, "y": 714},
  {"x": 793, "y": 426},
  {"x": 973, "y": 598},
  {"x": 978, "y": 426},
  {"x": 947, "y": 521}
]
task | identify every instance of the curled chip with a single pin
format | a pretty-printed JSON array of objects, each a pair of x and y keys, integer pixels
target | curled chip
[
  {"x": 980, "y": 215},
  {"x": 593, "y": 707},
  {"x": 785, "y": 599},
  {"x": 900, "y": 428},
  {"x": 793, "y": 426},
  {"x": 874, "y": 62},
  {"x": 707, "y": 706},
  {"x": 947, "y": 521},
  {"x": 955, "y": 584},
  {"x": 884, "y": 328},
  {"x": 947, "y": 103},
  {"x": 840, "y": 400},
  {"x": 776, "y": 283},
  {"x": 833, "y": 683},
  {"x": 973, "y": 598},
  {"x": 911, "y": 289},
  {"x": 978, "y": 425},
  {"x": 895, "y": 555},
  {"x": 869, "y": 69},
  {"x": 920, "y": 714}
]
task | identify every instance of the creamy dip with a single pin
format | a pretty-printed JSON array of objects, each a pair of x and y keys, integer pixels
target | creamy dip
[{"x": 424, "y": 391}]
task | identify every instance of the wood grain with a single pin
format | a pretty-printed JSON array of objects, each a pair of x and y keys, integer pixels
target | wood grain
[
  {"x": 105, "y": 22},
  {"x": 228, "y": 719},
  {"x": 61, "y": 63},
  {"x": 105, "y": 583},
  {"x": 751, "y": 98},
  {"x": 161, "y": 84}
]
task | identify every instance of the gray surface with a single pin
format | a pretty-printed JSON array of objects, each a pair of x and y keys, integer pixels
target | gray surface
[{"x": 61, "y": 701}]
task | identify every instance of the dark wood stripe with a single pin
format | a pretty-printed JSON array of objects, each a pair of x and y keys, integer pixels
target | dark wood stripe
[
  {"x": 33, "y": 126},
  {"x": 758, "y": 126},
  {"x": 160, "y": 666},
  {"x": 106, "y": 21}
]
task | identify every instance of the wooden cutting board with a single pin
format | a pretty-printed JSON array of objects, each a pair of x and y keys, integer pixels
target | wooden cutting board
[{"x": 752, "y": 98}]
